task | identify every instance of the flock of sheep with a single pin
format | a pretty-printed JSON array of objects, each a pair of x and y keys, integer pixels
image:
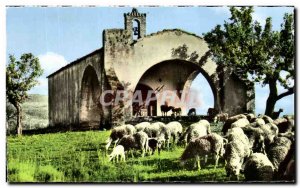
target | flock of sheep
[{"x": 261, "y": 148}]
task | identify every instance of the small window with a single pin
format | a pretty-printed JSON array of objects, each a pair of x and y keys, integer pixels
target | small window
[{"x": 136, "y": 29}]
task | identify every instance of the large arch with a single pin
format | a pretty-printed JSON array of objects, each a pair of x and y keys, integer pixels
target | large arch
[
  {"x": 90, "y": 108},
  {"x": 175, "y": 77},
  {"x": 133, "y": 63}
]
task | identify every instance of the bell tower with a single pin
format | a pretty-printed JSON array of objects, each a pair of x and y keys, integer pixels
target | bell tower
[{"x": 135, "y": 23}]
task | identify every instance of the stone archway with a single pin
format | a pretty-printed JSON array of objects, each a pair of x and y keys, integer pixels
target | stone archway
[
  {"x": 90, "y": 108},
  {"x": 174, "y": 77}
]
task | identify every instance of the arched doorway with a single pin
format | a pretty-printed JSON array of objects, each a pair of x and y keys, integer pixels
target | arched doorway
[
  {"x": 144, "y": 107},
  {"x": 90, "y": 107},
  {"x": 170, "y": 79}
]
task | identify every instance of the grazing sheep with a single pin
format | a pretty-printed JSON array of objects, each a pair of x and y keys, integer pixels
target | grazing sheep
[
  {"x": 260, "y": 137},
  {"x": 153, "y": 144},
  {"x": 176, "y": 111},
  {"x": 259, "y": 122},
  {"x": 192, "y": 112},
  {"x": 138, "y": 141},
  {"x": 240, "y": 123},
  {"x": 175, "y": 129},
  {"x": 155, "y": 129},
  {"x": 278, "y": 150},
  {"x": 230, "y": 120},
  {"x": 203, "y": 146},
  {"x": 275, "y": 115},
  {"x": 118, "y": 132},
  {"x": 237, "y": 149},
  {"x": 267, "y": 119},
  {"x": 196, "y": 130},
  {"x": 258, "y": 168},
  {"x": 141, "y": 126},
  {"x": 284, "y": 125},
  {"x": 251, "y": 117},
  {"x": 286, "y": 166},
  {"x": 222, "y": 117},
  {"x": 165, "y": 109},
  {"x": 117, "y": 151},
  {"x": 211, "y": 113}
]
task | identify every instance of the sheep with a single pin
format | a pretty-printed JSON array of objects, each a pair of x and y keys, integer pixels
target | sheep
[
  {"x": 153, "y": 145},
  {"x": 192, "y": 112},
  {"x": 275, "y": 115},
  {"x": 165, "y": 109},
  {"x": 211, "y": 113},
  {"x": 175, "y": 129},
  {"x": 258, "y": 168},
  {"x": 240, "y": 123},
  {"x": 261, "y": 136},
  {"x": 222, "y": 117},
  {"x": 117, "y": 151},
  {"x": 284, "y": 125},
  {"x": 278, "y": 151},
  {"x": 203, "y": 146},
  {"x": 154, "y": 129},
  {"x": 286, "y": 165},
  {"x": 251, "y": 117},
  {"x": 237, "y": 149},
  {"x": 141, "y": 126},
  {"x": 138, "y": 140},
  {"x": 195, "y": 130},
  {"x": 118, "y": 132},
  {"x": 176, "y": 111},
  {"x": 230, "y": 120},
  {"x": 267, "y": 119}
]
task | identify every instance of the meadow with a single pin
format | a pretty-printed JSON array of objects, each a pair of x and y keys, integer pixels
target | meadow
[{"x": 81, "y": 157}]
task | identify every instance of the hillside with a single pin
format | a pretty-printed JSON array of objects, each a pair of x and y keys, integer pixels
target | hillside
[{"x": 35, "y": 112}]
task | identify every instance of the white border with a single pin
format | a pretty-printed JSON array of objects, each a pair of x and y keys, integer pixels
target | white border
[{"x": 103, "y": 3}]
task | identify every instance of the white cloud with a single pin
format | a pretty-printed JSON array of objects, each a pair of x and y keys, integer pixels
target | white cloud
[{"x": 50, "y": 62}]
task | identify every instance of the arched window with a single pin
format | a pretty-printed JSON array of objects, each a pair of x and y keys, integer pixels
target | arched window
[{"x": 136, "y": 29}]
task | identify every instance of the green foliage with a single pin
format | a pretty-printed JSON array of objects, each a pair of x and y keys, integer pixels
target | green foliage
[
  {"x": 81, "y": 157},
  {"x": 243, "y": 45},
  {"x": 21, "y": 76}
]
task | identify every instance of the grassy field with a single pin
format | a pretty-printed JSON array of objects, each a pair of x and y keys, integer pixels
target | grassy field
[{"x": 81, "y": 157}]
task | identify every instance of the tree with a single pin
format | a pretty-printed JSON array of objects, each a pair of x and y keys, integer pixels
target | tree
[
  {"x": 21, "y": 76},
  {"x": 265, "y": 55}
]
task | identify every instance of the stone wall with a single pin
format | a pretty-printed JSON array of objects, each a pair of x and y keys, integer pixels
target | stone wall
[{"x": 66, "y": 99}]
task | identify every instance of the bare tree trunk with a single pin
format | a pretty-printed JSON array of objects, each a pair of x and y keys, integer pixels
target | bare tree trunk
[{"x": 19, "y": 123}]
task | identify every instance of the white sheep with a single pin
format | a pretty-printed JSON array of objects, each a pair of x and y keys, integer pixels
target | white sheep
[
  {"x": 203, "y": 146},
  {"x": 118, "y": 132},
  {"x": 175, "y": 129},
  {"x": 117, "y": 152},
  {"x": 141, "y": 126},
  {"x": 222, "y": 117},
  {"x": 258, "y": 168},
  {"x": 196, "y": 130},
  {"x": 237, "y": 149},
  {"x": 138, "y": 141},
  {"x": 159, "y": 131},
  {"x": 240, "y": 123}
]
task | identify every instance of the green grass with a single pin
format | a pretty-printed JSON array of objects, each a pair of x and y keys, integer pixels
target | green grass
[{"x": 81, "y": 157}]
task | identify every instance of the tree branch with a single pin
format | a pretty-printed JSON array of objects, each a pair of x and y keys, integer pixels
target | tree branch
[{"x": 288, "y": 92}]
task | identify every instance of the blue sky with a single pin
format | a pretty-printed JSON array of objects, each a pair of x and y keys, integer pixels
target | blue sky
[{"x": 61, "y": 35}]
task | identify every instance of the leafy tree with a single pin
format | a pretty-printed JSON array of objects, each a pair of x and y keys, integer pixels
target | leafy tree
[
  {"x": 21, "y": 76},
  {"x": 265, "y": 55}
]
